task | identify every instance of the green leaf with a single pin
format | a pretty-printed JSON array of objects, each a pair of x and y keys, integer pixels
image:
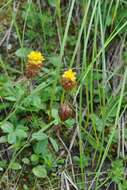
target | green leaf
[
  {"x": 7, "y": 127},
  {"x": 52, "y": 3},
  {"x": 85, "y": 160},
  {"x": 26, "y": 161},
  {"x": 36, "y": 102},
  {"x": 124, "y": 185},
  {"x": 54, "y": 144},
  {"x": 54, "y": 60},
  {"x": 41, "y": 147},
  {"x": 70, "y": 123},
  {"x": 98, "y": 122},
  {"x": 55, "y": 113},
  {"x": 25, "y": 187},
  {"x": 3, "y": 163},
  {"x": 117, "y": 171},
  {"x": 11, "y": 138},
  {"x": 49, "y": 160},
  {"x": 40, "y": 171},
  {"x": 3, "y": 139},
  {"x": 1, "y": 169},
  {"x": 33, "y": 102},
  {"x": 22, "y": 52},
  {"x": 10, "y": 98},
  {"x": 39, "y": 136},
  {"x": 45, "y": 94},
  {"x": 15, "y": 166},
  {"x": 34, "y": 158},
  {"x": 20, "y": 133}
]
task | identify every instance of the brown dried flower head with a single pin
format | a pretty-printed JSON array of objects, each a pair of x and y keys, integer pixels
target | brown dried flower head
[{"x": 65, "y": 112}]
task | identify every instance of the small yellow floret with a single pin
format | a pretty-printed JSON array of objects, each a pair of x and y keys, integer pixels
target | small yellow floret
[
  {"x": 35, "y": 57},
  {"x": 70, "y": 75}
]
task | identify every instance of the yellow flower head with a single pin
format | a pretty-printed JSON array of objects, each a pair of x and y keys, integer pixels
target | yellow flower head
[
  {"x": 35, "y": 58},
  {"x": 69, "y": 75}
]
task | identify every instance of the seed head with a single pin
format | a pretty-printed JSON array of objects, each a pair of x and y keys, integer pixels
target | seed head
[{"x": 65, "y": 112}]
